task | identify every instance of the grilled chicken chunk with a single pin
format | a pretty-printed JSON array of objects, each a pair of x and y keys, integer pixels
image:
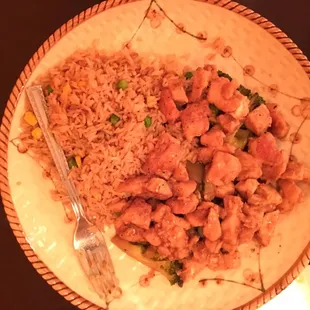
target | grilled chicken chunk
[{"x": 194, "y": 119}]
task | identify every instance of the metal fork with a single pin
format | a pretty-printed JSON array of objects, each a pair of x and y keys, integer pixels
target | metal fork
[{"x": 88, "y": 240}]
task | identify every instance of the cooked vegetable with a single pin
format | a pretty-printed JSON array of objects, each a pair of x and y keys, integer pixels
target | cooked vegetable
[
  {"x": 172, "y": 268},
  {"x": 37, "y": 133},
  {"x": 49, "y": 89},
  {"x": 188, "y": 75},
  {"x": 195, "y": 171},
  {"x": 255, "y": 101},
  {"x": 241, "y": 137},
  {"x": 72, "y": 163},
  {"x": 122, "y": 84},
  {"x": 78, "y": 160},
  {"x": 114, "y": 119},
  {"x": 244, "y": 91},
  {"x": 30, "y": 118},
  {"x": 223, "y": 74},
  {"x": 167, "y": 268},
  {"x": 200, "y": 232},
  {"x": 214, "y": 113},
  {"x": 143, "y": 246},
  {"x": 148, "y": 122},
  {"x": 117, "y": 214}
]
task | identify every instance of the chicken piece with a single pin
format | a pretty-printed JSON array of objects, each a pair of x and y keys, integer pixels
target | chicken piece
[
  {"x": 223, "y": 95},
  {"x": 152, "y": 237},
  {"x": 291, "y": 194},
  {"x": 213, "y": 247},
  {"x": 183, "y": 189},
  {"x": 118, "y": 206},
  {"x": 294, "y": 171},
  {"x": 158, "y": 188},
  {"x": 213, "y": 138},
  {"x": 265, "y": 196},
  {"x": 274, "y": 172},
  {"x": 224, "y": 190},
  {"x": 172, "y": 232},
  {"x": 265, "y": 149},
  {"x": 200, "y": 253},
  {"x": 250, "y": 166},
  {"x": 197, "y": 218},
  {"x": 160, "y": 211},
  {"x": 205, "y": 154},
  {"x": 183, "y": 205},
  {"x": 246, "y": 188},
  {"x": 201, "y": 80},
  {"x": 246, "y": 235},
  {"x": 138, "y": 213},
  {"x": 258, "y": 120},
  {"x": 165, "y": 157},
  {"x": 133, "y": 186},
  {"x": 242, "y": 111},
  {"x": 180, "y": 173},
  {"x": 212, "y": 230},
  {"x": 229, "y": 124},
  {"x": 131, "y": 233},
  {"x": 194, "y": 119},
  {"x": 231, "y": 224},
  {"x": 167, "y": 106},
  {"x": 280, "y": 127},
  {"x": 267, "y": 228},
  {"x": 177, "y": 91},
  {"x": 224, "y": 169},
  {"x": 253, "y": 217},
  {"x": 208, "y": 191}
]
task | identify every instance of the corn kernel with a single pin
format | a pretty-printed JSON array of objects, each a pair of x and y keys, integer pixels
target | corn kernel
[
  {"x": 82, "y": 83},
  {"x": 78, "y": 161},
  {"x": 37, "y": 133},
  {"x": 67, "y": 89},
  {"x": 30, "y": 118}
]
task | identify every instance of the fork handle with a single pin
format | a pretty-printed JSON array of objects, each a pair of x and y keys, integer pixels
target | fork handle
[{"x": 39, "y": 105}]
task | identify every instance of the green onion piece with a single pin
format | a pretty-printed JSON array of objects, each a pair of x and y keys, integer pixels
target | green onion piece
[
  {"x": 241, "y": 138},
  {"x": 72, "y": 162},
  {"x": 49, "y": 89},
  {"x": 223, "y": 74},
  {"x": 256, "y": 101},
  {"x": 244, "y": 91},
  {"x": 148, "y": 122},
  {"x": 215, "y": 111},
  {"x": 188, "y": 75},
  {"x": 114, "y": 119},
  {"x": 122, "y": 84},
  {"x": 200, "y": 232},
  {"x": 117, "y": 214}
]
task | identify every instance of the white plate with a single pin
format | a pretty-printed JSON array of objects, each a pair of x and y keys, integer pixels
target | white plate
[{"x": 42, "y": 220}]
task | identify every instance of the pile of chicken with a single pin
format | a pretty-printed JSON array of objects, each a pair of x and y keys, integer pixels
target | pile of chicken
[{"x": 233, "y": 197}]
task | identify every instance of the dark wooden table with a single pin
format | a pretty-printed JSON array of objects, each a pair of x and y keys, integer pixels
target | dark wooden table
[{"x": 24, "y": 25}]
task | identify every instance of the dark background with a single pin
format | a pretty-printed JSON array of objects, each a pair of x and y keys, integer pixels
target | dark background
[{"x": 24, "y": 26}]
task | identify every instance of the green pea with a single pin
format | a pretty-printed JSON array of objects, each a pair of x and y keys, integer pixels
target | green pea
[
  {"x": 188, "y": 75},
  {"x": 148, "y": 122},
  {"x": 72, "y": 163},
  {"x": 122, "y": 84},
  {"x": 49, "y": 89},
  {"x": 114, "y": 119}
]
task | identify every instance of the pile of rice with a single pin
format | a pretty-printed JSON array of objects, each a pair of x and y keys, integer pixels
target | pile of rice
[{"x": 83, "y": 99}]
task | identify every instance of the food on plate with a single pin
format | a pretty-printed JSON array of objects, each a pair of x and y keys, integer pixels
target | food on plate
[{"x": 186, "y": 166}]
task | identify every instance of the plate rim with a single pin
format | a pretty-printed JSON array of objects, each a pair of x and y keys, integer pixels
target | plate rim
[{"x": 77, "y": 300}]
